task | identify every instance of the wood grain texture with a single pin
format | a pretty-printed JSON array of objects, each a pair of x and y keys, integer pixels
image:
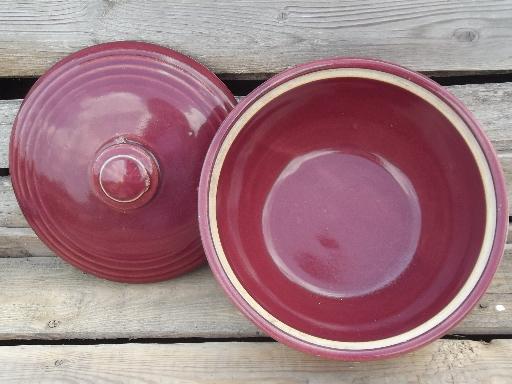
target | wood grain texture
[
  {"x": 45, "y": 298},
  {"x": 10, "y": 212},
  {"x": 21, "y": 242},
  {"x": 491, "y": 105},
  {"x": 254, "y": 38},
  {"x": 8, "y": 111},
  {"x": 489, "y": 102},
  {"x": 444, "y": 361}
]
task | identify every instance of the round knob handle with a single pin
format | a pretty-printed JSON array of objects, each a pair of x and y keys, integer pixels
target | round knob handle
[
  {"x": 124, "y": 178},
  {"x": 125, "y": 175}
]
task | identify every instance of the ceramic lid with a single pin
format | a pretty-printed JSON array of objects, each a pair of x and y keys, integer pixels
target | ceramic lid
[{"x": 106, "y": 154}]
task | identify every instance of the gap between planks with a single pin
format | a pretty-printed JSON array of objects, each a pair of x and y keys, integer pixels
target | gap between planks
[{"x": 442, "y": 361}]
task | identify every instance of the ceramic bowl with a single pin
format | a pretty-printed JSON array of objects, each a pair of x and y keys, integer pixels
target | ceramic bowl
[{"x": 352, "y": 209}]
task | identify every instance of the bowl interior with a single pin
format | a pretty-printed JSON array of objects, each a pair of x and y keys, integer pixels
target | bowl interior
[{"x": 350, "y": 209}]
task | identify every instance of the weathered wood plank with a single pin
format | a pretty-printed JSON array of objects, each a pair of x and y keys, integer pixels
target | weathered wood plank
[
  {"x": 444, "y": 361},
  {"x": 21, "y": 242},
  {"x": 489, "y": 102},
  {"x": 11, "y": 216},
  {"x": 44, "y": 298},
  {"x": 10, "y": 212},
  {"x": 8, "y": 111},
  {"x": 254, "y": 38}
]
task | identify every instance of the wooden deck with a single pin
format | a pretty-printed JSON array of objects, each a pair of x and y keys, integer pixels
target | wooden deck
[{"x": 58, "y": 324}]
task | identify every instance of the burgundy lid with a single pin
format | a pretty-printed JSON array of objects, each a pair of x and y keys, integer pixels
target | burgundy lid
[{"x": 105, "y": 158}]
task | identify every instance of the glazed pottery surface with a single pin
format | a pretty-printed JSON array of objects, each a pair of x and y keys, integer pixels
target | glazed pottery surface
[
  {"x": 105, "y": 158},
  {"x": 352, "y": 208}
]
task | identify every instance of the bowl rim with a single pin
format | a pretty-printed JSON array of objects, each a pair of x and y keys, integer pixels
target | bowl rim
[{"x": 359, "y": 66}]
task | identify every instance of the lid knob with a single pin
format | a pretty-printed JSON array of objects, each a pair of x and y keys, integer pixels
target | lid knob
[
  {"x": 125, "y": 175},
  {"x": 123, "y": 178}
]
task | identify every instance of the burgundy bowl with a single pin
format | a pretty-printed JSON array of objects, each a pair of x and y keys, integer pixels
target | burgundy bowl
[
  {"x": 352, "y": 209},
  {"x": 105, "y": 157}
]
